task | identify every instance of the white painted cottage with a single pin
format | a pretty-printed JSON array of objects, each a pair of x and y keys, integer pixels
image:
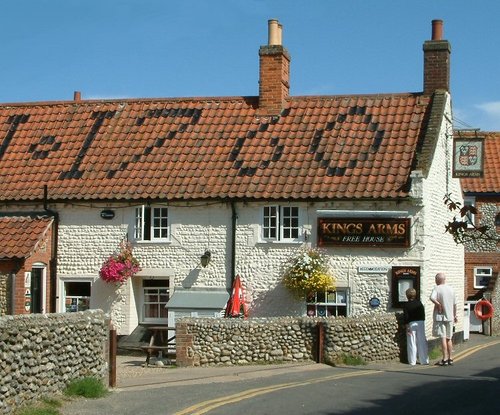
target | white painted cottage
[{"x": 246, "y": 182}]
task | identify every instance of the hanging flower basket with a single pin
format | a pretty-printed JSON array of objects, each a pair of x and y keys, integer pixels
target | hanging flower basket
[
  {"x": 119, "y": 267},
  {"x": 307, "y": 273}
]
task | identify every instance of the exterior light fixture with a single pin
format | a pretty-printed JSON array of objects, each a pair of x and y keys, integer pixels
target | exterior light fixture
[{"x": 205, "y": 258}]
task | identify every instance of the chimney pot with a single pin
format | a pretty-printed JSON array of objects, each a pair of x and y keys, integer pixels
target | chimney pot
[
  {"x": 77, "y": 96},
  {"x": 274, "y": 32},
  {"x": 437, "y": 30}
]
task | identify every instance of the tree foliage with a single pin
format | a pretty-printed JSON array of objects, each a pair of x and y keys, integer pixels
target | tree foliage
[{"x": 462, "y": 229}]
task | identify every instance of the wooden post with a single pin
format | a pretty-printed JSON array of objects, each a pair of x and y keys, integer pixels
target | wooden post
[
  {"x": 112, "y": 358},
  {"x": 320, "y": 335}
]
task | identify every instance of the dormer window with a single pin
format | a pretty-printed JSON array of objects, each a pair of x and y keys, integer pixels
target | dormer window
[{"x": 151, "y": 224}]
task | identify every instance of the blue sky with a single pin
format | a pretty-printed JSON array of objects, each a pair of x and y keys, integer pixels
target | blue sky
[{"x": 162, "y": 48}]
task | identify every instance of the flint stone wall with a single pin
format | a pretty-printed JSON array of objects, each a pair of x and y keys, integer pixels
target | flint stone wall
[
  {"x": 211, "y": 342},
  {"x": 4, "y": 294},
  {"x": 41, "y": 353}
]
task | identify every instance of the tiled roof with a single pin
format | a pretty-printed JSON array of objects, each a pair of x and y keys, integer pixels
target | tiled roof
[
  {"x": 325, "y": 147},
  {"x": 490, "y": 182},
  {"x": 21, "y": 234}
]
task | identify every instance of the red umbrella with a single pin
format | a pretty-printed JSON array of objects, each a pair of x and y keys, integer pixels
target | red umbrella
[{"x": 236, "y": 306}]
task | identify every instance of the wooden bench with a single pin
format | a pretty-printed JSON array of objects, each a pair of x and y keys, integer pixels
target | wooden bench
[{"x": 157, "y": 342}]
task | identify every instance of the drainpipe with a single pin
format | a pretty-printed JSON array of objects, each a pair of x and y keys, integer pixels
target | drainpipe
[
  {"x": 53, "y": 259},
  {"x": 234, "y": 219}
]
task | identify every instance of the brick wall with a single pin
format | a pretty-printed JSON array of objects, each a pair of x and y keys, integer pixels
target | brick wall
[
  {"x": 436, "y": 65},
  {"x": 274, "y": 80}
]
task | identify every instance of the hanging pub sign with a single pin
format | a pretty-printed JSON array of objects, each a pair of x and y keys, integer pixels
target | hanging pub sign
[
  {"x": 383, "y": 232},
  {"x": 468, "y": 157},
  {"x": 402, "y": 279}
]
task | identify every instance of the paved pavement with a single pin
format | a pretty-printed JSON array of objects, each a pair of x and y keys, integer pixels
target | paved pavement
[{"x": 132, "y": 375}]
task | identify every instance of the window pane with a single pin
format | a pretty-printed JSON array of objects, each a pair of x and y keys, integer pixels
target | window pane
[
  {"x": 138, "y": 224},
  {"x": 146, "y": 227},
  {"x": 290, "y": 222},
  {"x": 160, "y": 223},
  {"x": 77, "y": 296},
  {"x": 156, "y": 295},
  {"x": 270, "y": 221},
  {"x": 155, "y": 283},
  {"x": 150, "y": 310},
  {"x": 77, "y": 288}
]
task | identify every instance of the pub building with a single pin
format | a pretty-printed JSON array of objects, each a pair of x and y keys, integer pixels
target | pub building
[{"x": 206, "y": 189}]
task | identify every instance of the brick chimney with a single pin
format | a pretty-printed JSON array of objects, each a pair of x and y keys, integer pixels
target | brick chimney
[
  {"x": 436, "y": 60},
  {"x": 274, "y": 75}
]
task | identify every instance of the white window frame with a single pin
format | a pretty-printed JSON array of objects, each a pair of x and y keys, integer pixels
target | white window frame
[
  {"x": 333, "y": 299},
  {"x": 62, "y": 290},
  {"x": 274, "y": 220},
  {"x": 480, "y": 273},
  {"x": 470, "y": 217},
  {"x": 168, "y": 286},
  {"x": 148, "y": 222}
]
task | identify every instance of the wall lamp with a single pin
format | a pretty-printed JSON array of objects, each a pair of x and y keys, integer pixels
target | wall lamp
[{"x": 205, "y": 258}]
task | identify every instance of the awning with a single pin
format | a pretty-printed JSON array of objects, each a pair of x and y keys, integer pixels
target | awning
[{"x": 198, "y": 298}]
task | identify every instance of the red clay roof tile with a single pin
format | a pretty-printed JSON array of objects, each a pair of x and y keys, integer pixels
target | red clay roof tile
[
  {"x": 490, "y": 182},
  {"x": 21, "y": 234},
  {"x": 133, "y": 149}
]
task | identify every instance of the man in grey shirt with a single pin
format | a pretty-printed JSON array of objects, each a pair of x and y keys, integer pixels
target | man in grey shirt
[{"x": 445, "y": 314}]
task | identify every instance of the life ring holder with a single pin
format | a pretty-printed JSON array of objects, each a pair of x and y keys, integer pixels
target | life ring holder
[{"x": 483, "y": 310}]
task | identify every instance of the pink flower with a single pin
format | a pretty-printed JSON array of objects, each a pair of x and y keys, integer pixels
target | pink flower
[{"x": 121, "y": 266}]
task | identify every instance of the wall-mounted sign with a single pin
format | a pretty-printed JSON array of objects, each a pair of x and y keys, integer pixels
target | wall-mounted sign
[
  {"x": 402, "y": 279},
  {"x": 107, "y": 214},
  {"x": 468, "y": 157},
  {"x": 374, "y": 269},
  {"x": 384, "y": 232},
  {"x": 374, "y": 302},
  {"x": 27, "y": 279}
]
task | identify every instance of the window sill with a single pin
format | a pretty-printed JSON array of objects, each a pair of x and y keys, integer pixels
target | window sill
[
  {"x": 287, "y": 242},
  {"x": 158, "y": 241}
]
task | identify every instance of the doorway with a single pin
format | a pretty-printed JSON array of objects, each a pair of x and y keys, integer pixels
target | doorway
[{"x": 37, "y": 290}]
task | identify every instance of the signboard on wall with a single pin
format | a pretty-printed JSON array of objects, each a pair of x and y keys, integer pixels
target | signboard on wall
[
  {"x": 383, "y": 232},
  {"x": 402, "y": 279},
  {"x": 468, "y": 157}
]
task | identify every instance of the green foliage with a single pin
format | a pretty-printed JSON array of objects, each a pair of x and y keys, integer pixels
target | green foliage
[
  {"x": 47, "y": 406},
  {"x": 349, "y": 360},
  {"x": 435, "y": 353},
  {"x": 87, "y": 387},
  {"x": 308, "y": 272}
]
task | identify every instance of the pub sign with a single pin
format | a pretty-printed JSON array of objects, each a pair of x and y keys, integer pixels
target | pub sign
[
  {"x": 468, "y": 157},
  {"x": 383, "y": 232}
]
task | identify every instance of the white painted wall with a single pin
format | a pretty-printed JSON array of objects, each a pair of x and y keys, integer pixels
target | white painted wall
[{"x": 441, "y": 254}]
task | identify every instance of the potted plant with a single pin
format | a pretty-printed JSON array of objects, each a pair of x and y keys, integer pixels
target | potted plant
[
  {"x": 308, "y": 272},
  {"x": 120, "y": 266}
]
